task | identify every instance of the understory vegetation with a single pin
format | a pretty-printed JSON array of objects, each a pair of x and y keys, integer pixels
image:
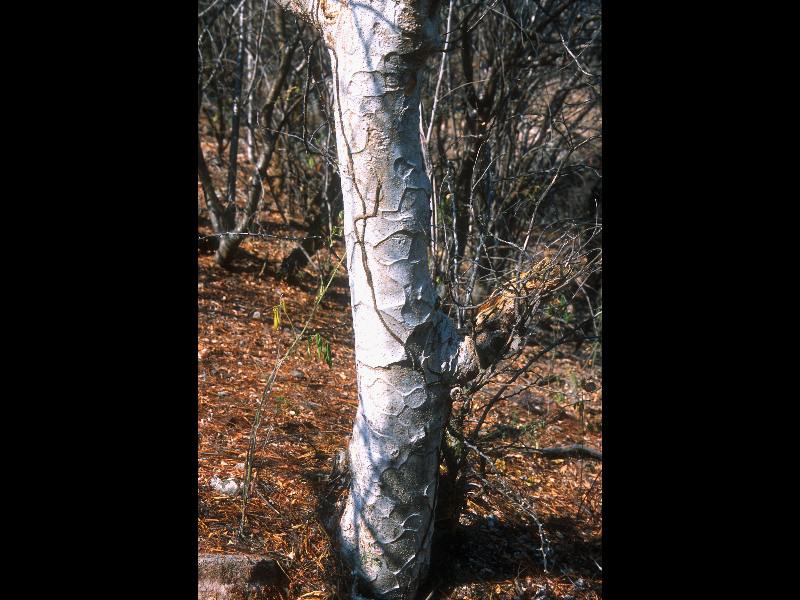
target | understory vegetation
[{"x": 510, "y": 128}]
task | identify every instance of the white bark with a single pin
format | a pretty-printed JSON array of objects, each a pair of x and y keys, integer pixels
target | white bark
[
  {"x": 387, "y": 524},
  {"x": 407, "y": 352}
]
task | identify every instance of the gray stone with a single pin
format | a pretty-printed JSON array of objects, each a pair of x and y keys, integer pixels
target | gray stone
[{"x": 229, "y": 487}]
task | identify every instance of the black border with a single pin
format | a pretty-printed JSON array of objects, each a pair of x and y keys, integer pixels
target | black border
[{"x": 123, "y": 406}]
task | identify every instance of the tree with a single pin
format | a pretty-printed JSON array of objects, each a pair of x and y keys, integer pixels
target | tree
[
  {"x": 229, "y": 221},
  {"x": 523, "y": 117},
  {"x": 409, "y": 355}
]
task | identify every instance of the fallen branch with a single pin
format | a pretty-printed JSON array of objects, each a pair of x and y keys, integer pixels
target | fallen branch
[{"x": 574, "y": 451}]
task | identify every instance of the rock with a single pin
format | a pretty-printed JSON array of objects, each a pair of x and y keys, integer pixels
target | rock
[
  {"x": 257, "y": 315},
  {"x": 298, "y": 374},
  {"x": 228, "y": 487},
  {"x": 222, "y": 577}
]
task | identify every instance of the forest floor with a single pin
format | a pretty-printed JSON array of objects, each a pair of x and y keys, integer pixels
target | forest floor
[{"x": 496, "y": 550}]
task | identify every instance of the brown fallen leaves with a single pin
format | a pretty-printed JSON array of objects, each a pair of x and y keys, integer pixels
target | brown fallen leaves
[{"x": 496, "y": 551}]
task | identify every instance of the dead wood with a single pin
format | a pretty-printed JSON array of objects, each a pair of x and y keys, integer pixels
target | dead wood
[{"x": 573, "y": 451}]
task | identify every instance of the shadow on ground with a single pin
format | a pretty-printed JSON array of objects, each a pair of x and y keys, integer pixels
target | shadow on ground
[
  {"x": 487, "y": 552},
  {"x": 481, "y": 553}
]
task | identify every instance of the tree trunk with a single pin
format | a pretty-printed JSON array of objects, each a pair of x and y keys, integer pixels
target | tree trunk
[
  {"x": 237, "y": 109},
  {"x": 314, "y": 240},
  {"x": 407, "y": 352},
  {"x": 234, "y": 222},
  {"x": 387, "y": 525}
]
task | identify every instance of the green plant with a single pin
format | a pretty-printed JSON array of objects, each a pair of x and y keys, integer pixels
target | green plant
[
  {"x": 282, "y": 403},
  {"x": 322, "y": 347}
]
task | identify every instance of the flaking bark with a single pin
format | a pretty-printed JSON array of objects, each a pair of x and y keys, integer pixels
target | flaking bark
[
  {"x": 377, "y": 51},
  {"x": 408, "y": 354}
]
